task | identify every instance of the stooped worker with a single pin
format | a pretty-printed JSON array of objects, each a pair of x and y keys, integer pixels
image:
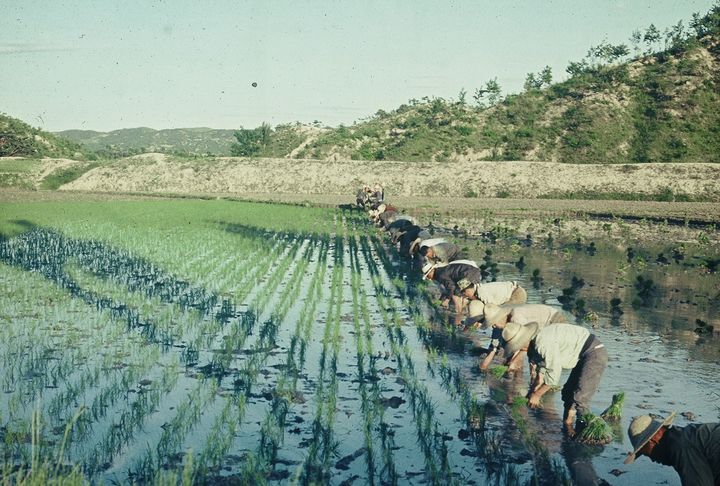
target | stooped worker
[
  {"x": 447, "y": 276},
  {"x": 362, "y": 197},
  {"x": 482, "y": 294},
  {"x": 553, "y": 348},
  {"x": 693, "y": 450},
  {"x": 438, "y": 250},
  {"x": 497, "y": 317},
  {"x": 409, "y": 235},
  {"x": 396, "y": 229},
  {"x": 378, "y": 193}
]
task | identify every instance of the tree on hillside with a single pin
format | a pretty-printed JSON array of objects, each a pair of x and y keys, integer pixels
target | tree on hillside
[
  {"x": 651, "y": 38},
  {"x": 491, "y": 93},
  {"x": 251, "y": 141}
]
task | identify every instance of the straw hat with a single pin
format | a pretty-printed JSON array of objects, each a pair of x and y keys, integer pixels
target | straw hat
[
  {"x": 642, "y": 429},
  {"x": 415, "y": 245},
  {"x": 381, "y": 209},
  {"x": 432, "y": 242},
  {"x": 496, "y": 313},
  {"x": 476, "y": 308},
  {"x": 517, "y": 336}
]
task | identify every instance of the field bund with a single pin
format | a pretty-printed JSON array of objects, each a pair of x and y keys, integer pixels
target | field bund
[{"x": 158, "y": 173}]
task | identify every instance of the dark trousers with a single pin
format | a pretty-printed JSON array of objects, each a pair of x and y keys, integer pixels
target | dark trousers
[{"x": 584, "y": 379}]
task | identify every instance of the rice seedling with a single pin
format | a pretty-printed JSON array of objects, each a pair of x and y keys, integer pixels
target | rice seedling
[
  {"x": 614, "y": 411},
  {"x": 594, "y": 430},
  {"x": 498, "y": 371}
]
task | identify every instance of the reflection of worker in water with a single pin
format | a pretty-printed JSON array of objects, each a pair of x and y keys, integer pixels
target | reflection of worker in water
[
  {"x": 498, "y": 316},
  {"x": 553, "y": 348},
  {"x": 694, "y": 450}
]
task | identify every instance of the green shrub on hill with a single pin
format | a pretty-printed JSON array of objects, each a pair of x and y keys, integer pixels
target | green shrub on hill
[{"x": 18, "y": 139}]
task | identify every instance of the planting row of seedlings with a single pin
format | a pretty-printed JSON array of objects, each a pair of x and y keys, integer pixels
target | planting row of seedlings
[{"x": 91, "y": 377}]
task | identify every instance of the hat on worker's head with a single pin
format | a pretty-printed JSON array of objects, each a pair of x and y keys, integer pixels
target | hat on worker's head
[
  {"x": 464, "y": 283},
  {"x": 517, "y": 336},
  {"x": 495, "y": 314},
  {"x": 415, "y": 246},
  {"x": 641, "y": 430},
  {"x": 476, "y": 308},
  {"x": 381, "y": 209},
  {"x": 427, "y": 268}
]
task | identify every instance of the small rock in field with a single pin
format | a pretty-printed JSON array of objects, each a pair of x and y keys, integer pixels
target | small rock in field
[{"x": 617, "y": 472}]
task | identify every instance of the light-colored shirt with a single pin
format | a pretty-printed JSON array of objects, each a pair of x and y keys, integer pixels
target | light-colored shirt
[
  {"x": 540, "y": 313},
  {"x": 495, "y": 292},
  {"x": 526, "y": 313},
  {"x": 559, "y": 345}
]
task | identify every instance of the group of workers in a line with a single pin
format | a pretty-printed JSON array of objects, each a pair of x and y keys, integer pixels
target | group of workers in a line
[{"x": 551, "y": 344}]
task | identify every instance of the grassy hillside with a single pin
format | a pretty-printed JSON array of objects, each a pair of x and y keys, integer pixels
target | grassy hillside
[
  {"x": 660, "y": 105},
  {"x": 18, "y": 139},
  {"x": 130, "y": 141}
]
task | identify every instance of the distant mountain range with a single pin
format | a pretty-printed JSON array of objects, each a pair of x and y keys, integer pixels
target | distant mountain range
[{"x": 190, "y": 141}]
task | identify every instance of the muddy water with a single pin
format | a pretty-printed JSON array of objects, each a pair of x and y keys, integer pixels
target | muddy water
[{"x": 662, "y": 354}]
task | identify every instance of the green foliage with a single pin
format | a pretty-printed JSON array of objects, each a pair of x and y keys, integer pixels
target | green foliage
[
  {"x": 594, "y": 430},
  {"x": 614, "y": 411},
  {"x": 251, "y": 141},
  {"x": 64, "y": 176},
  {"x": 18, "y": 139}
]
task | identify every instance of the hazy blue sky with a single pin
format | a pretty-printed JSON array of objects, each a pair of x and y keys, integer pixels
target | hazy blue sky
[{"x": 103, "y": 65}]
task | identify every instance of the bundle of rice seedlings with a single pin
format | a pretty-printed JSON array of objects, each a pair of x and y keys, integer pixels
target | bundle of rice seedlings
[
  {"x": 614, "y": 411},
  {"x": 595, "y": 431},
  {"x": 519, "y": 402},
  {"x": 498, "y": 371}
]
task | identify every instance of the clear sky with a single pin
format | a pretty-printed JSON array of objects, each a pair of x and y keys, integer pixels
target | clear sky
[{"x": 104, "y": 65}]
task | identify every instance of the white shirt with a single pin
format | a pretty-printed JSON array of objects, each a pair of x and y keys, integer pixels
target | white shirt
[{"x": 560, "y": 346}]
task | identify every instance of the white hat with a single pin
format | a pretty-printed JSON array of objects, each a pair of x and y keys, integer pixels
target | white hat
[
  {"x": 382, "y": 208},
  {"x": 517, "y": 336},
  {"x": 476, "y": 308},
  {"x": 641, "y": 430},
  {"x": 496, "y": 313}
]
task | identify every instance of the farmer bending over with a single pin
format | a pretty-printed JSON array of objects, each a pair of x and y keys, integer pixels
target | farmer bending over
[
  {"x": 499, "y": 316},
  {"x": 438, "y": 250},
  {"x": 482, "y": 294},
  {"x": 694, "y": 450},
  {"x": 447, "y": 277},
  {"x": 553, "y": 348},
  {"x": 409, "y": 236}
]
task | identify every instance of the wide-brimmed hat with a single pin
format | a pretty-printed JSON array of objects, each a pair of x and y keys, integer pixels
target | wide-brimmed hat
[
  {"x": 476, "y": 308},
  {"x": 641, "y": 430},
  {"x": 432, "y": 242},
  {"x": 382, "y": 208},
  {"x": 517, "y": 336},
  {"x": 496, "y": 313},
  {"x": 415, "y": 245}
]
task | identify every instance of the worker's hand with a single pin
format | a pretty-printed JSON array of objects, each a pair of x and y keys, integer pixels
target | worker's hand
[
  {"x": 534, "y": 400},
  {"x": 445, "y": 303}
]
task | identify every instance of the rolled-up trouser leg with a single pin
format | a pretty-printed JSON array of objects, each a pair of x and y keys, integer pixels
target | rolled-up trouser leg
[
  {"x": 584, "y": 380},
  {"x": 518, "y": 296}
]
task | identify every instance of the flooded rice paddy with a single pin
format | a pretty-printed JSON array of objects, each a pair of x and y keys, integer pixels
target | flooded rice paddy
[{"x": 210, "y": 339}]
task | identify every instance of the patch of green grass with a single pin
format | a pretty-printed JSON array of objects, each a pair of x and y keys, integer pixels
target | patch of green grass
[{"x": 64, "y": 176}]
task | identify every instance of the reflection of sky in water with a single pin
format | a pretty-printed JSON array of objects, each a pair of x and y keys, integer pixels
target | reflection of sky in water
[{"x": 656, "y": 358}]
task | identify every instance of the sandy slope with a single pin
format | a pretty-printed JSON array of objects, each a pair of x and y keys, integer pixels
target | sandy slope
[{"x": 157, "y": 173}]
